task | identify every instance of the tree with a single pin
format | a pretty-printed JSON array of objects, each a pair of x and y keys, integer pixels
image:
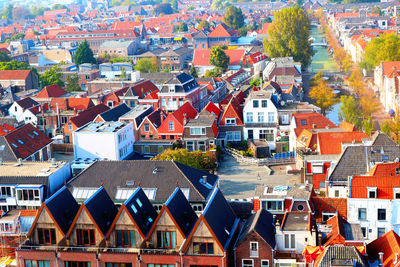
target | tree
[
  {"x": 163, "y": 8},
  {"x": 289, "y": 36},
  {"x": 15, "y": 65},
  {"x": 19, "y": 13},
  {"x": 255, "y": 82},
  {"x": 350, "y": 111},
  {"x": 369, "y": 103},
  {"x": 356, "y": 82},
  {"x": 183, "y": 27},
  {"x": 59, "y": 6},
  {"x": 392, "y": 128},
  {"x": 72, "y": 83},
  {"x": 123, "y": 74},
  {"x": 299, "y": 3},
  {"x": 18, "y": 37},
  {"x": 203, "y": 25},
  {"x": 219, "y": 4},
  {"x": 234, "y": 17},
  {"x": 323, "y": 96},
  {"x": 215, "y": 72},
  {"x": 376, "y": 10},
  {"x": 37, "y": 10},
  {"x": 218, "y": 58},
  {"x": 7, "y": 12},
  {"x": 190, "y": 8},
  {"x": 195, "y": 159},
  {"x": 147, "y": 65},
  {"x": 4, "y": 57},
  {"x": 84, "y": 54},
  {"x": 52, "y": 76},
  {"x": 193, "y": 72},
  {"x": 368, "y": 125},
  {"x": 384, "y": 48}
]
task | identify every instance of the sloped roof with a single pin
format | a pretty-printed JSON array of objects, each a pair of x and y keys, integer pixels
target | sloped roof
[
  {"x": 388, "y": 66},
  {"x": 142, "y": 89},
  {"x": 102, "y": 209},
  {"x": 384, "y": 169},
  {"x": 213, "y": 109},
  {"x": 220, "y": 217},
  {"x": 14, "y": 74},
  {"x": 181, "y": 211},
  {"x": 330, "y": 143},
  {"x": 5, "y": 129},
  {"x": 63, "y": 207},
  {"x": 88, "y": 115},
  {"x": 340, "y": 253},
  {"x": 296, "y": 221},
  {"x": 145, "y": 215},
  {"x": 115, "y": 113},
  {"x": 347, "y": 126},
  {"x": 312, "y": 120},
  {"x": 389, "y": 244},
  {"x": 186, "y": 110},
  {"x": 384, "y": 184},
  {"x": 27, "y": 102},
  {"x": 201, "y": 57},
  {"x": 26, "y": 140},
  {"x": 222, "y": 30},
  {"x": 326, "y": 204},
  {"x": 53, "y": 90}
]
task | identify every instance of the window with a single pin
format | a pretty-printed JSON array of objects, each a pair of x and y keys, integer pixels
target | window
[
  {"x": 171, "y": 126},
  {"x": 253, "y": 249},
  {"x": 264, "y": 263},
  {"x": 272, "y": 205},
  {"x": 285, "y": 119},
  {"x": 230, "y": 121},
  {"x": 76, "y": 264},
  {"x": 46, "y": 236},
  {"x": 28, "y": 194},
  {"x": 336, "y": 193},
  {"x": 5, "y": 191},
  {"x": 190, "y": 145},
  {"x": 166, "y": 239},
  {"x": 381, "y": 231},
  {"x": 160, "y": 265},
  {"x": 203, "y": 248},
  {"x": 326, "y": 216},
  {"x": 264, "y": 103},
  {"x": 397, "y": 171},
  {"x": 372, "y": 192},
  {"x": 249, "y": 116},
  {"x": 146, "y": 127},
  {"x": 125, "y": 238},
  {"x": 260, "y": 116},
  {"x": 147, "y": 150},
  {"x": 33, "y": 263},
  {"x": 250, "y": 134},
  {"x": 381, "y": 214},
  {"x": 85, "y": 237},
  {"x": 118, "y": 264},
  {"x": 290, "y": 241},
  {"x": 255, "y": 103},
  {"x": 70, "y": 126},
  {"x": 396, "y": 193},
  {"x": 303, "y": 122},
  {"x": 237, "y": 136},
  {"x": 110, "y": 103},
  {"x": 163, "y": 102},
  {"x": 362, "y": 213},
  {"x": 160, "y": 149},
  {"x": 364, "y": 231},
  {"x": 271, "y": 116},
  {"x": 201, "y": 145},
  {"x": 247, "y": 263},
  {"x": 197, "y": 131}
]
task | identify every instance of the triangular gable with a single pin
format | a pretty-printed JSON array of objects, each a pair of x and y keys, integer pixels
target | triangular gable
[
  {"x": 44, "y": 214},
  {"x": 233, "y": 107},
  {"x": 164, "y": 127},
  {"x": 165, "y": 216},
  {"x": 82, "y": 217},
  {"x": 213, "y": 109},
  {"x": 122, "y": 216}
]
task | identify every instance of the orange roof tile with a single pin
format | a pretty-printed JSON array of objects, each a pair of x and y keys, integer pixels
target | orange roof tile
[
  {"x": 389, "y": 244},
  {"x": 384, "y": 184},
  {"x": 311, "y": 121},
  {"x": 326, "y": 204},
  {"x": 330, "y": 143},
  {"x": 347, "y": 126}
]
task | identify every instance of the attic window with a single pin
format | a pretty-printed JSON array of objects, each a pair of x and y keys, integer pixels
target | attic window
[
  {"x": 130, "y": 183},
  {"x": 303, "y": 122},
  {"x": 139, "y": 202},
  {"x": 397, "y": 171},
  {"x": 372, "y": 192}
]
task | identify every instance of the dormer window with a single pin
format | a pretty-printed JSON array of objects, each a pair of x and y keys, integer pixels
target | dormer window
[
  {"x": 303, "y": 122},
  {"x": 230, "y": 121},
  {"x": 372, "y": 192},
  {"x": 171, "y": 89},
  {"x": 396, "y": 193},
  {"x": 397, "y": 171}
]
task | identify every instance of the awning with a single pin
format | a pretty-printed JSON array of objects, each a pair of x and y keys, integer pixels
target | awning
[
  {"x": 178, "y": 38},
  {"x": 310, "y": 253}
]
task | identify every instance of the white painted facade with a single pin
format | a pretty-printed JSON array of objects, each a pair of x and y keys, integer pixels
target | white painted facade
[
  {"x": 292, "y": 135},
  {"x": 103, "y": 144},
  {"x": 260, "y": 119},
  {"x": 29, "y": 117},
  {"x": 16, "y": 111},
  {"x": 301, "y": 239}
]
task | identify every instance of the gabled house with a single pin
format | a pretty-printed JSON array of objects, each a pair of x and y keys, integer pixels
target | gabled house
[
  {"x": 201, "y": 59},
  {"x": 113, "y": 99},
  {"x": 136, "y": 115},
  {"x": 343, "y": 233},
  {"x": 50, "y": 91},
  {"x": 384, "y": 250},
  {"x": 201, "y": 132},
  {"x": 231, "y": 122},
  {"x": 22, "y": 80},
  {"x": 139, "y": 93},
  {"x": 214, "y": 232},
  {"x": 133, "y": 222},
  {"x": 255, "y": 244},
  {"x": 18, "y": 107},
  {"x": 93, "y": 220},
  {"x": 113, "y": 114},
  {"x": 339, "y": 256},
  {"x": 172, "y": 126}
]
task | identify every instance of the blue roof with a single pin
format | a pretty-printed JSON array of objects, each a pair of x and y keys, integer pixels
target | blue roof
[
  {"x": 63, "y": 207},
  {"x": 141, "y": 210},
  {"x": 25, "y": 223},
  {"x": 181, "y": 211},
  {"x": 220, "y": 217},
  {"x": 102, "y": 209}
]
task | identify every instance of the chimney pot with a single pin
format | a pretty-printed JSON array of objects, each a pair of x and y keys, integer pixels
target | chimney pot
[{"x": 380, "y": 258}]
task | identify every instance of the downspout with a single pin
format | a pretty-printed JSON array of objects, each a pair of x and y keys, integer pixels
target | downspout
[
  {"x": 223, "y": 259},
  {"x": 234, "y": 257},
  {"x": 180, "y": 254}
]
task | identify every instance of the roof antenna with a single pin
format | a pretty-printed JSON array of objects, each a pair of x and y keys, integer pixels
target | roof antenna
[
  {"x": 138, "y": 183},
  {"x": 177, "y": 183},
  {"x": 101, "y": 183}
]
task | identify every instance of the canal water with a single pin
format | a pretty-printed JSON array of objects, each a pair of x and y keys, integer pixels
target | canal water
[{"x": 323, "y": 61}]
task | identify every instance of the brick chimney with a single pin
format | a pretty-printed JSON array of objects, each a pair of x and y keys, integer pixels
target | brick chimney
[{"x": 184, "y": 119}]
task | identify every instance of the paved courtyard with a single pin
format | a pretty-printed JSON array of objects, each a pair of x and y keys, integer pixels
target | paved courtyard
[{"x": 238, "y": 180}]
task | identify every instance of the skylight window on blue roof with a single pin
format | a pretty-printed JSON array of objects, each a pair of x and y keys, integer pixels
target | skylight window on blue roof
[
  {"x": 150, "y": 219},
  {"x": 139, "y": 202},
  {"x": 19, "y": 141},
  {"x": 14, "y": 145},
  {"x": 133, "y": 208}
]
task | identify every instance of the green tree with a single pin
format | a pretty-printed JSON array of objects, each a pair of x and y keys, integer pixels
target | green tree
[
  {"x": 72, "y": 83},
  {"x": 18, "y": 37},
  {"x": 323, "y": 96},
  {"x": 163, "y": 8},
  {"x": 84, "y": 54},
  {"x": 368, "y": 125},
  {"x": 220, "y": 4},
  {"x": 289, "y": 36},
  {"x": 52, "y": 76},
  {"x": 392, "y": 128},
  {"x": 19, "y": 13},
  {"x": 204, "y": 24},
  {"x": 215, "y": 72},
  {"x": 255, "y": 82},
  {"x": 147, "y": 65},
  {"x": 4, "y": 57},
  {"x": 383, "y": 48},
  {"x": 183, "y": 27},
  {"x": 123, "y": 74},
  {"x": 15, "y": 65},
  {"x": 190, "y": 8},
  {"x": 193, "y": 72},
  {"x": 376, "y": 10},
  {"x": 195, "y": 159},
  {"x": 7, "y": 12},
  {"x": 234, "y": 17},
  {"x": 218, "y": 58},
  {"x": 59, "y": 6},
  {"x": 350, "y": 111},
  {"x": 37, "y": 10}
]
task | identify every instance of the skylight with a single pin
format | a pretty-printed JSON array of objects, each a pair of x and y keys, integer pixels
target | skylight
[{"x": 14, "y": 145}]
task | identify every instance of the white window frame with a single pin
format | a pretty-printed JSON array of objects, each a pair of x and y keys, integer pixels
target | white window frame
[
  {"x": 247, "y": 265},
  {"x": 230, "y": 121},
  {"x": 271, "y": 117},
  {"x": 254, "y": 253},
  {"x": 396, "y": 190},
  {"x": 285, "y": 119},
  {"x": 291, "y": 245},
  {"x": 144, "y": 127},
  {"x": 264, "y": 265},
  {"x": 249, "y": 115},
  {"x": 317, "y": 168},
  {"x": 372, "y": 189},
  {"x": 202, "y": 131},
  {"x": 171, "y": 123}
]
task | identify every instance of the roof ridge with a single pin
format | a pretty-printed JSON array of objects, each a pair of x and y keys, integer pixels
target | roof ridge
[{"x": 190, "y": 182}]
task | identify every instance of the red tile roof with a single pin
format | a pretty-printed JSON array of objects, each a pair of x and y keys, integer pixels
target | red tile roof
[
  {"x": 387, "y": 67},
  {"x": 88, "y": 115},
  {"x": 26, "y": 140},
  {"x": 213, "y": 109},
  {"x": 330, "y": 143},
  {"x": 186, "y": 110},
  {"x": 384, "y": 169},
  {"x": 384, "y": 184},
  {"x": 5, "y": 129},
  {"x": 78, "y": 103},
  {"x": 222, "y": 30},
  {"x": 53, "y": 90},
  {"x": 14, "y": 74},
  {"x": 312, "y": 120},
  {"x": 326, "y": 204},
  {"x": 201, "y": 57},
  {"x": 389, "y": 244},
  {"x": 347, "y": 126}
]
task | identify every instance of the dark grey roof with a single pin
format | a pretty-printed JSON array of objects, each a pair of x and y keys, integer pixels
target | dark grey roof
[
  {"x": 102, "y": 209},
  {"x": 183, "y": 83},
  {"x": 63, "y": 208},
  {"x": 342, "y": 255},
  {"x": 221, "y": 218},
  {"x": 382, "y": 139},
  {"x": 358, "y": 160},
  {"x": 181, "y": 211},
  {"x": 145, "y": 213},
  {"x": 162, "y": 175},
  {"x": 262, "y": 222},
  {"x": 296, "y": 221},
  {"x": 116, "y": 112},
  {"x": 204, "y": 118},
  {"x": 200, "y": 35}
]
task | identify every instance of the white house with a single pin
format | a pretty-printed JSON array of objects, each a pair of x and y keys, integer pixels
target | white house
[
  {"x": 18, "y": 108},
  {"x": 260, "y": 118},
  {"x": 103, "y": 140}
]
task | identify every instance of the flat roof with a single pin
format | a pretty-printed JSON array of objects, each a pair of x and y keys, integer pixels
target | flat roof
[
  {"x": 29, "y": 168},
  {"x": 135, "y": 112},
  {"x": 102, "y": 127}
]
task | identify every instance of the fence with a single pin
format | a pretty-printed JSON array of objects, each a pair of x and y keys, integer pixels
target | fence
[{"x": 277, "y": 159}]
